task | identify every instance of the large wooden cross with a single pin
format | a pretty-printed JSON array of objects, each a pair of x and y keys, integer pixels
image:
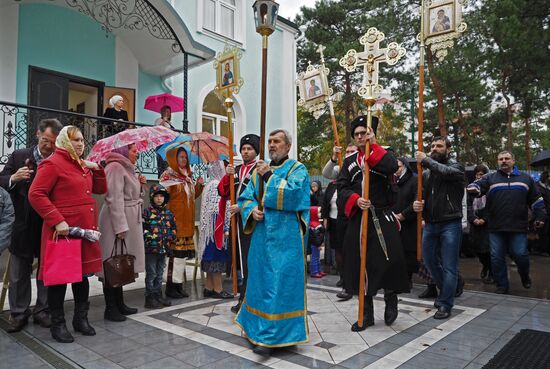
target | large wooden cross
[{"x": 370, "y": 59}]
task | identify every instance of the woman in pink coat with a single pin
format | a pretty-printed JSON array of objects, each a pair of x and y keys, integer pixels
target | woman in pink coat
[
  {"x": 61, "y": 194},
  {"x": 121, "y": 218}
]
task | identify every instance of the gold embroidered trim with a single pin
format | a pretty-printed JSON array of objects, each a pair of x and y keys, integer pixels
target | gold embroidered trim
[
  {"x": 289, "y": 315},
  {"x": 280, "y": 194}
]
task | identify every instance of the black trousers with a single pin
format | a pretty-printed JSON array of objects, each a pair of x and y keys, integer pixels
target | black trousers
[{"x": 56, "y": 293}]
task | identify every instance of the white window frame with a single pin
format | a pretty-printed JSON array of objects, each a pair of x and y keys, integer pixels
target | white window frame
[
  {"x": 218, "y": 119},
  {"x": 239, "y": 22}
]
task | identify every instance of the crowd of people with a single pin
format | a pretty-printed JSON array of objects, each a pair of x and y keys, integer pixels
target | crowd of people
[{"x": 46, "y": 193}]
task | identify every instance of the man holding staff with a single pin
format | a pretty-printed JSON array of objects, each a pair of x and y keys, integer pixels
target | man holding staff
[
  {"x": 249, "y": 148},
  {"x": 385, "y": 259},
  {"x": 443, "y": 181},
  {"x": 273, "y": 313}
]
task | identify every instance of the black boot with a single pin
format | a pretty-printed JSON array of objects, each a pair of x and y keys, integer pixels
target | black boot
[
  {"x": 368, "y": 316},
  {"x": 235, "y": 309},
  {"x": 390, "y": 312},
  {"x": 429, "y": 293},
  {"x": 181, "y": 291},
  {"x": 163, "y": 300},
  {"x": 111, "y": 309},
  {"x": 59, "y": 330},
  {"x": 459, "y": 286},
  {"x": 151, "y": 302},
  {"x": 172, "y": 291},
  {"x": 80, "y": 319},
  {"x": 124, "y": 310}
]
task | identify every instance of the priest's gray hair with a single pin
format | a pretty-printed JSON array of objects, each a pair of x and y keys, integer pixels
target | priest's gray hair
[{"x": 288, "y": 137}]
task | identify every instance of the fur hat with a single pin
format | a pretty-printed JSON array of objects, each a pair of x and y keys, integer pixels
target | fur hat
[
  {"x": 252, "y": 140},
  {"x": 362, "y": 121}
]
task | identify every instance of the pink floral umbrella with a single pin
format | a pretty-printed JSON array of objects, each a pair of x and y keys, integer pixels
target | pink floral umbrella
[
  {"x": 145, "y": 138},
  {"x": 156, "y": 102}
]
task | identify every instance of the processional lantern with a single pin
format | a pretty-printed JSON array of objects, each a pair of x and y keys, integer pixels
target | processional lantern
[{"x": 265, "y": 15}]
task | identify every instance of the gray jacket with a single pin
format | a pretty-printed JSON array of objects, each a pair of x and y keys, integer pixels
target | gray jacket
[{"x": 7, "y": 216}]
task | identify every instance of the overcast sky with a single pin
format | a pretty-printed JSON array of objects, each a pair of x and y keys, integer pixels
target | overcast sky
[{"x": 289, "y": 8}]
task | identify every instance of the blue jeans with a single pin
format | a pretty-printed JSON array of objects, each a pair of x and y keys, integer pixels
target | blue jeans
[
  {"x": 154, "y": 269},
  {"x": 314, "y": 261},
  {"x": 514, "y": 243},
  {"x": 440, "y": 250}
]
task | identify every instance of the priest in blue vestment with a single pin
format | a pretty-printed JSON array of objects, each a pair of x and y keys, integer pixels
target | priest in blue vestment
[{"x": 274, "y": 313}]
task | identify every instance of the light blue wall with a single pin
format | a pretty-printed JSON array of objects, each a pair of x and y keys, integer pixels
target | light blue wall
[
  {"x": 148, "y": 85},
  {"x": 63, "y": 40}
]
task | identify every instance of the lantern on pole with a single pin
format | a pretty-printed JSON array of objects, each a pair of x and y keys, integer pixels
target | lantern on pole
[{"x": 265, "y": 15}]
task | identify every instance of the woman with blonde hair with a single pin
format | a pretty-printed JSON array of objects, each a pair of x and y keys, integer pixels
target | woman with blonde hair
[
  {"x": 61, "y": 194},
  {"x": 177, "y": 179}
]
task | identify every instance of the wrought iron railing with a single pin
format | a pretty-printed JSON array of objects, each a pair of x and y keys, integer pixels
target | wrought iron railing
[{"x": 19, "y": 125}]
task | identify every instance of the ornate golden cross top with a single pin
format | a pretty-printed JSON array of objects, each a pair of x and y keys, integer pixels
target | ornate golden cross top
[
  {"x": 320, "y": 50},
  {"x": 370, "y": 59}
]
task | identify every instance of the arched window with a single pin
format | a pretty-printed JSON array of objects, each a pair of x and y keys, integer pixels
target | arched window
[{"x": 214, "y": 116}]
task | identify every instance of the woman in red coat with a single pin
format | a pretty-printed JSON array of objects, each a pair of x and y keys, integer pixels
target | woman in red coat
[{"x": 61, "y": 194}]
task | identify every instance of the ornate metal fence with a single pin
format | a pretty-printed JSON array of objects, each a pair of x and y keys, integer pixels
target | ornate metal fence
[{"x": 19, "y": 124}]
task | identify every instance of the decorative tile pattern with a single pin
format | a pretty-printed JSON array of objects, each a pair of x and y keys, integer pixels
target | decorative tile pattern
[
  {"x": 325, "y": 345},
  {"x": 210, "y": 323}
]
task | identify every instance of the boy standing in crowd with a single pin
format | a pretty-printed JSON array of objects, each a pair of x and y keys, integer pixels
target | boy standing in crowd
[{"x": 159, "y": 230}]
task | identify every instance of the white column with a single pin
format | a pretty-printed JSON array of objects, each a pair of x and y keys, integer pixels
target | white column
[
  {"x": 9, "y": 28},
  {"x": 127, "y": 67}
]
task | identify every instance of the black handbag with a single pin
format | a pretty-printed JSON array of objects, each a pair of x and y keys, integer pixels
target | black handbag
[{"x": 118, "y": 269}]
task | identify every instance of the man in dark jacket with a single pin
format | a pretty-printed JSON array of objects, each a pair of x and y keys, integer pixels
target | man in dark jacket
[
  {"x": 16, "y": 178},
  {"x": 543, "y": 186},
  {"x": 509, "y": 193},
  {"x": 443, "y": 189}
]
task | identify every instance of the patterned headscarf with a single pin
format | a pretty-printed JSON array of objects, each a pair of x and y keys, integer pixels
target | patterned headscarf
[
  {"x": 175, "y": 176},
  {"x": 64, "y": 142}
]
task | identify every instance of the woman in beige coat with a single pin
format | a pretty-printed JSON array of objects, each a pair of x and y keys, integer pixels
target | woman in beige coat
[{"x": 121, "y": 218}]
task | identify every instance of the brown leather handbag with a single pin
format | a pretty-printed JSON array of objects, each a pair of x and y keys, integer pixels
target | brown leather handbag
[{"x": 119, "y": 268}]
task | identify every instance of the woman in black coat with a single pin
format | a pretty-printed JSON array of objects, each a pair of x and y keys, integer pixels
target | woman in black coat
[
  {"x": 407, "y": 183},
  {"x": 316, "y": 193},
  {"x": 115, "y": 111}
]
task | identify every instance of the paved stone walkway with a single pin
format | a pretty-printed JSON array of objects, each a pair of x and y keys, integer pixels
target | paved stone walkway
[{"x": 199, "y": 333}]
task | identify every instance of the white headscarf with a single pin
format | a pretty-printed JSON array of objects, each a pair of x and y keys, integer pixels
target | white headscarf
[
  {"x": 113, "y": 100},
  {"x": 216, "y": 170}
]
